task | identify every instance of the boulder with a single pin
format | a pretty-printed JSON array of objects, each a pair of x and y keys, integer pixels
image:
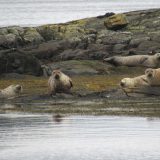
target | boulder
[
  {"x": 155, "y": 36},
  {"x": 72, "y": 54},
  {"x": 16, "y": 30},
  {"x": 148, "y": 46},
  {"x": 50, "y": 32},
  {"x": 136, "y": 41},
  {"x": 46, "y": 50},
  {"x": 3, "y": 31},
  {"x": 81, "y": 67},
  {"x": 117, "y": 38},
  {"x": 31, "y": 36},
  {"x": 98, "y": 51},
  {"x": 119, "y": 48},
  {"x": 116, "y": 22},
  {"x": 14, "y": 62},
  {"x": 8, "y": 40}
]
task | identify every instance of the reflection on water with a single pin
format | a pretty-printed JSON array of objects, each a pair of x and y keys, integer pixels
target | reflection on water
[
  {"x": 40, "y": 137},
  {"x": 143, "y": 107}
]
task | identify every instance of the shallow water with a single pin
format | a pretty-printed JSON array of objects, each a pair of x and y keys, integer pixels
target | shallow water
[
  {"x": 43, "y": 137},
  {"x": 37, "y": 12}
]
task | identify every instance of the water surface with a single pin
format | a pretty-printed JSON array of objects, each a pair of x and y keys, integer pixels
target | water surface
[
  {"x": 37, "y": 12},
  {"x": 45, "y": 137}
]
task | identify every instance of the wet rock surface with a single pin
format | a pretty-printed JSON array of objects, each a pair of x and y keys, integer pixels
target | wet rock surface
[
  {"x": 74, "y": 96},
  {"x": 113, "y": 96}
]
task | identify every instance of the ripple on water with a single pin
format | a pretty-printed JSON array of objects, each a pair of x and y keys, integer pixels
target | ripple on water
[{"x": 36, "y": 136}]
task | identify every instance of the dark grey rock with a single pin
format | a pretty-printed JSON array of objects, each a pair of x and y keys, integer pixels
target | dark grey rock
[
  {"x": 32, "y": 36},
  {"x": 81, "y": 67},
  {"x": 117, "y": 38},
  {"x": 3, "y": 31},
  {"x": 15, "y": 62},
  {"x": 136, "y": 41},
  {"x": 119, "y": 48},
  {"x": 148, "y": 46},
  {"x": 71, "y": 54}
]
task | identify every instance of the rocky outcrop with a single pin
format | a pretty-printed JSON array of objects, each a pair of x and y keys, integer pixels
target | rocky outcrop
[
  {"x": 85, "y": 39},
  {"x": 81, "y": 67},
  {"x": 32, "y": 36},
  {"x": 15, "y": 62}
]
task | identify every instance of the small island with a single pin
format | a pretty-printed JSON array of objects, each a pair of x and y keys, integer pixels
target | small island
[{"x": 78, "y": 48}]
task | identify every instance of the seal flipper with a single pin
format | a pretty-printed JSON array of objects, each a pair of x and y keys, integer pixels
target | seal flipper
[
  {"x": 70, "y": 81},
  {"x": 143, "y": 60},
  {"x": 145, "y": 80}
]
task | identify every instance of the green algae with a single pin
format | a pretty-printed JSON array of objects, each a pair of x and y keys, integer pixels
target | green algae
[
  {"x": 38, "y": 85},
  {"x": 132, "y": 107}
]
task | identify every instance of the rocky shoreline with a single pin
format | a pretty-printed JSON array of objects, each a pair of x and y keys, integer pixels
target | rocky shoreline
[
  {"x": 77, "y": 47},
  {"x": 112, "y": 102}
]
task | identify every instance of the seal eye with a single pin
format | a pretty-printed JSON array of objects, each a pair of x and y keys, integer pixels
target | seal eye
[{"x": 53, "y": 73}]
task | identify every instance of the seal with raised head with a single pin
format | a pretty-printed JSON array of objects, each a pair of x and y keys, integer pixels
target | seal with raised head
[
  {"x": 153, "y": 76},
  {"x": 152, "y": 61},
  {"x": 59, "y": 83},
  {"x": 134, "y": 82},
  {"x": 11, "y": 91}
]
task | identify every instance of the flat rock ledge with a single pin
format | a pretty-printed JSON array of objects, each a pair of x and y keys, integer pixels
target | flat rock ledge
[{"x": 113, "y": 94}]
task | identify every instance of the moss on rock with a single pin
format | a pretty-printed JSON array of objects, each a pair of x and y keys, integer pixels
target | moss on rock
[{"x": 32, "y": 36}]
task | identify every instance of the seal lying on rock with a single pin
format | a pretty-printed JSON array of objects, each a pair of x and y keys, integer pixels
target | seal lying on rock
[
  {"x": 137, "y": 60},
  {"x": 11, "y": 91},
  {"x": 59, "y": 83},
  {"x": 153, "y": 76},
  {"x": 134, "y": 82}
]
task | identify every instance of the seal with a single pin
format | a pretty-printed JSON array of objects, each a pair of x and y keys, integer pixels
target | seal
[
  {"x": 11, "y": 91},
  {"x": 152, "y": 61},
  {"x": 153, "y": 76},
  {"x": 134, "y": 82},
  {"x": 59, "y": 83}
]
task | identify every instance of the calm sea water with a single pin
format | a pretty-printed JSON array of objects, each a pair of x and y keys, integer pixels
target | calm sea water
[
  {"x": 37, "y": 12},
  {"x": 44, "y": 137}
]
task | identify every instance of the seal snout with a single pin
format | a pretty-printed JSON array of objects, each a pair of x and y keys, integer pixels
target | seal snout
[
  {"x": 104, "y": 60},
  {"x": 56, "y": 76},
  {"x": 19, "y": 87},
  {"x": 150, "y": 75},
  {"x": 122, "y": 84}
]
